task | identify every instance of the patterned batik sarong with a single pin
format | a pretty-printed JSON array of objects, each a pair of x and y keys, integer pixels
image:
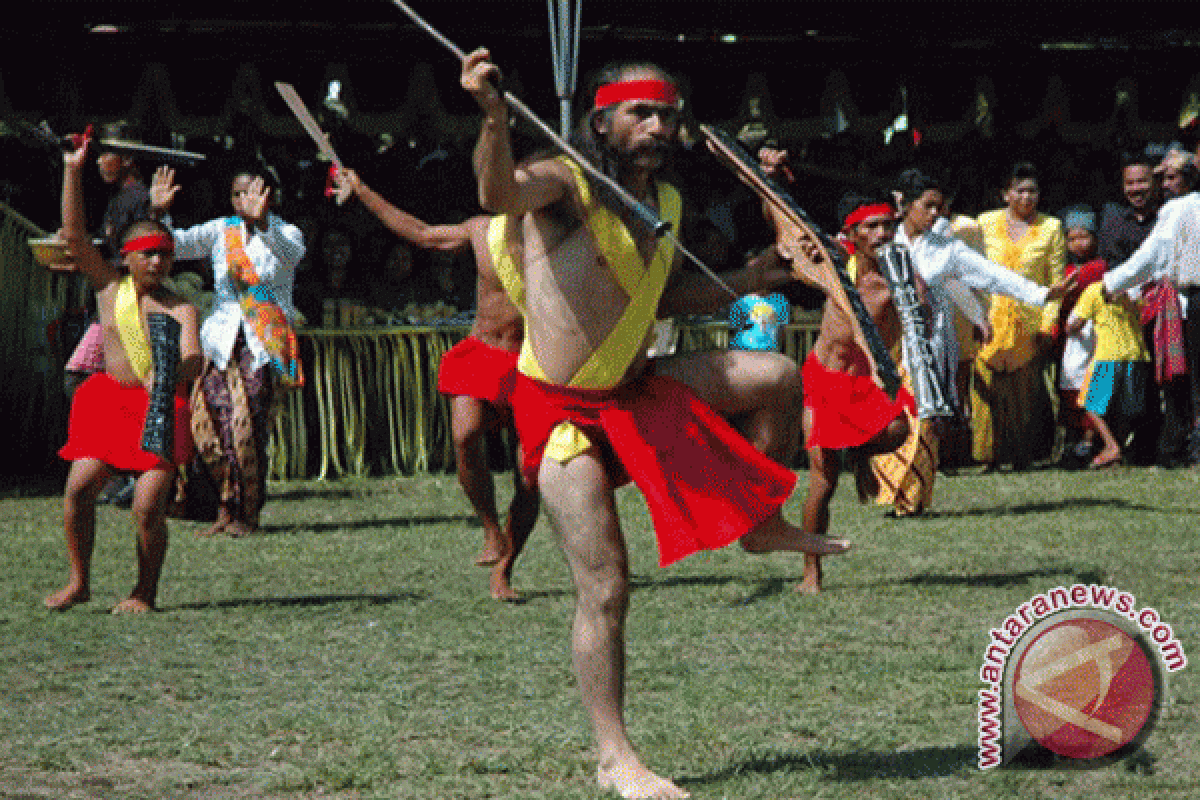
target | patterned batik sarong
[
  {"x": 905, "y": 476},
  {"x": 231, "y": 425}
]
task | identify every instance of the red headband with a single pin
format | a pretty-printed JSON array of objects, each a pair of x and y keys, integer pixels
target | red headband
[
  {"x": 654, "y": 91},
  {"x": 863, "y": 212},
  {"x": 151, "y": 241}
]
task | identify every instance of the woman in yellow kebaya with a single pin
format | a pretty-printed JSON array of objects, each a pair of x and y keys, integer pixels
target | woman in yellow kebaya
[{"x": 1010, "y": 401}]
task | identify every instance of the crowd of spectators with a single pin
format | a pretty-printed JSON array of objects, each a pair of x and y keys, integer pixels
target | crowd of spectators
[{"x": 350, "y": 256}]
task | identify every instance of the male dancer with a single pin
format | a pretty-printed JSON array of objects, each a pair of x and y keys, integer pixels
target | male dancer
[
  {"x": 109, "y": 409},
  {"x": 844, "y": 409},
  {"x": 592, "y": 413},
  {"x": 478, "y": 374}
]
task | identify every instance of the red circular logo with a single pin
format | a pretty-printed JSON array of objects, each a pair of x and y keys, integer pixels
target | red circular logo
[{"x": 1083, "y": 688}]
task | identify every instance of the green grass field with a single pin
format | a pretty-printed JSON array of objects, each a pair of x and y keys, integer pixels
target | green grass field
[{"x": 351, "y": 651}]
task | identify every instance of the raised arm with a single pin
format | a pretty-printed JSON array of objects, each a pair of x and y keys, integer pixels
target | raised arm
[
  {"x": 429, "y": 237},
  {"x": 85, "y": 258},
  {"x": 503, "y": 188},
  {"x": 965, "y": 300},
  {"x": 980, "y": 273},
  {"x": 194, "y": 242}
]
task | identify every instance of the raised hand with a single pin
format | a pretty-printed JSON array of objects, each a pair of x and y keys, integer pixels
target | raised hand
[
  {"x": 256, "y": 201},
  {"x": 163, "y": 189},
  {"x": 75, "y": 159},
  {"x": 347, "y": 184},
  {"x": 774, "y": 163},
  {"x": 480, "y": 77}
]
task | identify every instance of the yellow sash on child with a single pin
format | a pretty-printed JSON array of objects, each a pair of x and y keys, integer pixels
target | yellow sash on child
[{"x": 129, "y": 326}]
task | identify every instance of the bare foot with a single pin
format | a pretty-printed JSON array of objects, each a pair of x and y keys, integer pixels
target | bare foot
[
  {"x": 635, "y": 782},
  {"x": 236, "y": 529},
  {"x": 493, "y": 549},
  {"x": 70, "y": 595},
  {"x": 503, "y": 592},
  {"x": 133, "y": 605},
  {"x": 808, "y": 586},
  {"x": 218, "y": 527},
  {"x": 500, "y": 583},
  {"x": 769, "y": 538},
  {"x": 1106, "y": 458},
  {"x": 812, "y": 577}
]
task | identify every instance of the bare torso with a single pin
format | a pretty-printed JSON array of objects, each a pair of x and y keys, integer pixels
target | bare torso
[
  {"x": 497, "y": 321},
  {"x": 574, "y": 299},
  {"x": 836, "y": 347},
  {"x": 161, "y": 301},
  {"x": 116, "y": 361}
]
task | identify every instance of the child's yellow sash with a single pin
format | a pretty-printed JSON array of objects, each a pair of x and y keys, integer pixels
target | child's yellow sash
[{"x": 129, "y": 326}]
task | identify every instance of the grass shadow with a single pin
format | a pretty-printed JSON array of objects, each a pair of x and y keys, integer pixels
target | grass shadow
[
  {"x": 995, "y": 580},
  {"x": 302, "y": 601},
  {"x": 772, "y": 587},
  {"x": 858, "y": 765},
  {"x": 359, "y": 524},
  {"x": 990, "y": 580},
  {"x": 683, "y": 580},
  {"x": 1069, "y": 504},
  {"x": 640, "y": 584}
]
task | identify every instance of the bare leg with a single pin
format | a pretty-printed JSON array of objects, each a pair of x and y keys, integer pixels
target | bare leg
[
  {"x": 150, "y": 522},
  {"x": 1111, "y": 453},
  {"x": 470, "y": 420},
  {"x": 823, "y": 469},
  {"x": 522, "y": 516},
  {"x": 579, "y": 497},
  {"x": 224, "y": 517},
  {"x": 760, "y": 393},
  {"x": 85, "y": 480}
]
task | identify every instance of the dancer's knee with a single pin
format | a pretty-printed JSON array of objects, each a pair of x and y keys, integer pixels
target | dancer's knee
[{"x": 603, "y": 591}]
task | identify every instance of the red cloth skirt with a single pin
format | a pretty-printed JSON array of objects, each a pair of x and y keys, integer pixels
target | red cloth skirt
[
  {"x": 847, "y": 410},
  {"x": 705, "y": 485},
  {"x": 106, "y": 424},
  {"x": 476, "y": 369}
]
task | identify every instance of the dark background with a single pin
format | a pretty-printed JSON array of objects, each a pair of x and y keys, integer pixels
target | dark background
[{"x": 56, "y": 65}]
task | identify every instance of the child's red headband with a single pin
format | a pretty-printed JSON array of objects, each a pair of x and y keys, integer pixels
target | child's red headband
[{"x": 151, "y": 241}]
